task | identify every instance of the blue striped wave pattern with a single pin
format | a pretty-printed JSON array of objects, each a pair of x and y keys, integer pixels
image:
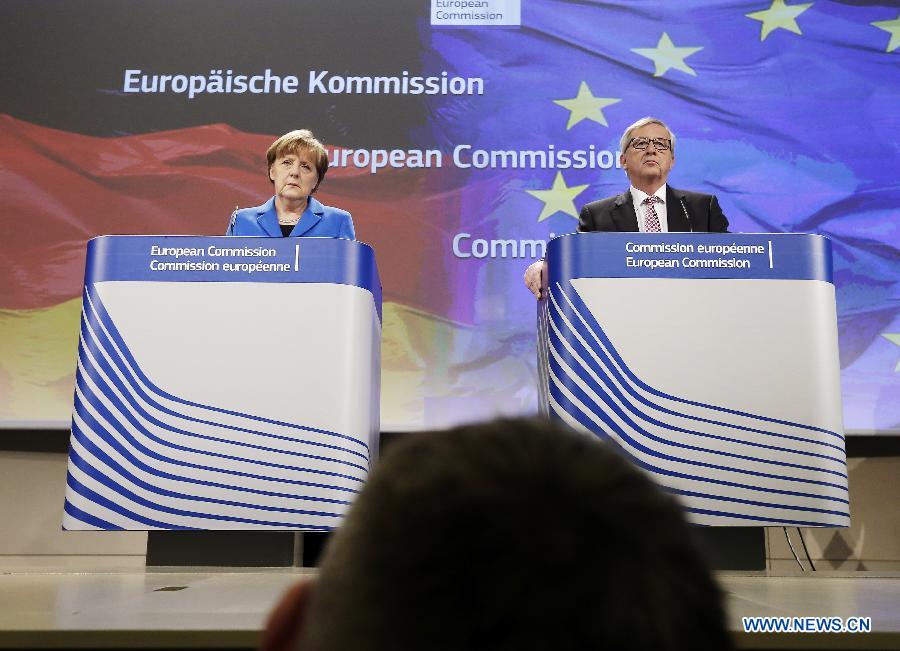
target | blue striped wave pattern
[
  {"x": 142, "y": 458},
  {"x": 726, "y": 466}
]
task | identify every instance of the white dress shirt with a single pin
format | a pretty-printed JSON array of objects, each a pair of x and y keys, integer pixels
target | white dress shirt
[{"x": 638, "y": 196}]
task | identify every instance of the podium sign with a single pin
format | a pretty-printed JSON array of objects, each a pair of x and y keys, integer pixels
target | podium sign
[
  {"x": 711, "y": 360},
  {"x": 224, "y": 383}
]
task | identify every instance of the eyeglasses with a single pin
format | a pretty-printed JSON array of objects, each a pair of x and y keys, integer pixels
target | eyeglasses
[{"x": 661, "y": 144}]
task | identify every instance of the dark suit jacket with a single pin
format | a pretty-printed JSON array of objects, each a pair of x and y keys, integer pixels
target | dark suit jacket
[
  {"x": 318, "y": 220},
  {"x": 617, "y": 213}
]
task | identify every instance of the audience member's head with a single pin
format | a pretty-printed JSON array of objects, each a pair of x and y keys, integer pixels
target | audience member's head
[{"x": 511, "y": 535}]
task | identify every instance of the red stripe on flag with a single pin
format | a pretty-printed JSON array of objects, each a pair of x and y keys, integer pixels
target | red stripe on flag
[{"x": 60, "y": 189}]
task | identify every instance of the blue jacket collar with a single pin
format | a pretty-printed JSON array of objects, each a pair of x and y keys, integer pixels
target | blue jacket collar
[{"x": 267, "y": 218}]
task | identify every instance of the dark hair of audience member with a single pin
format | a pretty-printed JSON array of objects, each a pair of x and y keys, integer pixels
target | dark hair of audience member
[{"x": 512, "y": 535}]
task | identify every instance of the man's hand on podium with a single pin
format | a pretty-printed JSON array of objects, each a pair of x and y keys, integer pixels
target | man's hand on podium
[{"x": 534, "y": 278}]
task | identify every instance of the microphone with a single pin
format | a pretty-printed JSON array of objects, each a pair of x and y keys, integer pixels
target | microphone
[
  {"x": 231, "y": 220},
  {"x": 686, "y": 215}
]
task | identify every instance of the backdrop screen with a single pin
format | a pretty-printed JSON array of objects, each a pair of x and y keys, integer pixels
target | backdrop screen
[{"x": 463, "y": 134}]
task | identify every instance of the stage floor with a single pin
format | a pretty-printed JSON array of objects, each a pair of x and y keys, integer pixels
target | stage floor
[{"x": 197, "y": 608}]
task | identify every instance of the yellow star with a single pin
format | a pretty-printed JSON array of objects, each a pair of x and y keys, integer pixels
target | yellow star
[
  {"x": 894, "y": 339},
  {"x": 665, "y": 55},
  {"x": 559, "y": 198},
  {"x": 779, "y": 15},
  {"x": 584, "y": 106},
  {"x": 892, "y": 27}
]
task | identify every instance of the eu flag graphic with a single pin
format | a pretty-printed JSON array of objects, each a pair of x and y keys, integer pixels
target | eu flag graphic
[{"x": 785, "y": 111}]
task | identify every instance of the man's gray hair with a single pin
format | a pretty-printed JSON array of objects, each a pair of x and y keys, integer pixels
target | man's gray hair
[{"x": 626, "y": 137}]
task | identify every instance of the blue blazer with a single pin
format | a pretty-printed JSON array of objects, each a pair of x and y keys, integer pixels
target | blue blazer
[{"x": 317, "y": 220}]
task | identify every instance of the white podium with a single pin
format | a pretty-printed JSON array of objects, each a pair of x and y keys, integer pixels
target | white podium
[
  {"x": 224, "y": 383},
  {"x": 711, "y": 360}
]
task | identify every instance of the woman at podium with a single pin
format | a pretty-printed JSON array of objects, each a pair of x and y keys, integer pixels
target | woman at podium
[{"x": 297, "y": 164}]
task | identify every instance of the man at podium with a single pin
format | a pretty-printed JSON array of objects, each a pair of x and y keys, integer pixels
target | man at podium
[
  {"x": 649, "y": 205},
  {"x": 297, "y": 164}
]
